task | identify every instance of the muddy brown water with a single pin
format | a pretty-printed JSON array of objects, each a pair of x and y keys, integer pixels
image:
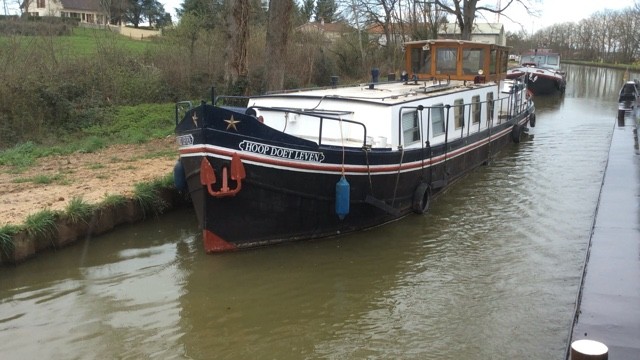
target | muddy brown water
[{"x": 491, "y": 272}]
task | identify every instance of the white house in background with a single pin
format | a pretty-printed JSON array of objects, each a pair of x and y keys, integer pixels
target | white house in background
[
  {"x": 331, "y": 31},
  {"x": 87, "y": 11},
  {"x": 492, "y": 33}
]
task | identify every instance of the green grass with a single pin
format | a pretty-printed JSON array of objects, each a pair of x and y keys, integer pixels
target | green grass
[
  {"x": 113, "y": 200},
  {"x": 7, "y": 232},
  {"x": 630, "y": 67},
  {"x": 95, "y": 166},
  {"x": 86, "y": 42},
  {"x": 78, "y": 210},
  {"x": 137, "y": 124},
  {"x": 44, "y": 179},
  {"x": 148, "y": 195},
  {"x": 42, "y": 224},
  {"x": 128, "y": 125}
]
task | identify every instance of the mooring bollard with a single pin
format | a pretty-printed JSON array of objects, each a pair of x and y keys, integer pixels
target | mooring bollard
[{"x": 589, "y": 350}]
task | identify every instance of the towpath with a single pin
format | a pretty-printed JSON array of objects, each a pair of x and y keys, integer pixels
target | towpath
[
  {"x": 53, "y": 181},
  {"x": 609, "y": 311}
]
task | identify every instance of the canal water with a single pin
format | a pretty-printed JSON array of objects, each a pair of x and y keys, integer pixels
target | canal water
[{"x": 491, "y": 272}]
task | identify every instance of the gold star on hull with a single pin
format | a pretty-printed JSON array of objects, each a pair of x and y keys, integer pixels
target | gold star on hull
[{"x": 232, "y": 123}]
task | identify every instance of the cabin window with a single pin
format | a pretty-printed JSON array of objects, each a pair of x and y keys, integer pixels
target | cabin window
[
  {"x": 552, "y": 60},
  {"x": 458, "y": 113},
  {"x": 493, "y": 61},
  {"x": 410, "y": 127},
  {"x": 490, "y": 106},
  {"x": 437, "y": 119},
  {"x": 472, "y": 61},
  {"x": 504, "y": 60},
  {"x": 446, "y": 60},
  {"x": 475, "y": 109},
  {"x": 420, "y": 61}
]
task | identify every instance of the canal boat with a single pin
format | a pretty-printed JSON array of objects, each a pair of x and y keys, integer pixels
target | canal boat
[
  {"x": 541, "y": 71},
  {"x": 629, "y": 99},
  {"x": 314, "y": 163}
]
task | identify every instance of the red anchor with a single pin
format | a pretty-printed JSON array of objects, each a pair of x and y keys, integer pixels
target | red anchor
[{"x": 208, "y": 176}]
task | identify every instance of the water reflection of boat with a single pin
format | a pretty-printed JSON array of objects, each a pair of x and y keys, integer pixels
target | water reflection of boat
[
  {"x": 316, "y": 163},
  {"x": 629, "y": 99},
  {"x": 541, "y": 69}
]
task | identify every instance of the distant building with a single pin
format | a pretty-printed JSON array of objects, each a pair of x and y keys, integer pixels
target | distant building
[
  {"x": 492, "y": 33},
  {"x": 86, "y": 11},
  {"x": 331, "y": 31}
]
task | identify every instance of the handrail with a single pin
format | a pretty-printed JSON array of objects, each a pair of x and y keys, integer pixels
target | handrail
[
  {"x": 321, "y": 115},
  {"x": 178, "y": 104},
  {"x": 510, "y": 100}
]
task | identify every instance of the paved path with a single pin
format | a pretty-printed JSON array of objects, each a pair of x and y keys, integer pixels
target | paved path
[{"x": 609, "y": 310}]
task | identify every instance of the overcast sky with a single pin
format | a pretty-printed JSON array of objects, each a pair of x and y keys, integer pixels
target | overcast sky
[
  {"x": 552, "y": 11},
  {"x": 558, "y": 11}
]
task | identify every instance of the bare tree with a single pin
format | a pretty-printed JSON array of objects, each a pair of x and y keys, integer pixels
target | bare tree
[
  {"x": 105, "y": 5},
  {"x": 24, "y": 7},
  {"x": 237, "y": 39},
  {"x": 465, "y": 12},
  {"x": 278, "y": 28}
]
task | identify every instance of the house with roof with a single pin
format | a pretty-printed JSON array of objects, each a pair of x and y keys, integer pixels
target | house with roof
[
  {"x": 492, "y": 33},
  {"x": 86, "y": 11},
  {"x": 331, "y": 31}
]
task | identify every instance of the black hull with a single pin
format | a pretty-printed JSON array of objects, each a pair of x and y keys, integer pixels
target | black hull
[
  {"x": 283, "y": 201},
  {"x": 543, "y": 85}
]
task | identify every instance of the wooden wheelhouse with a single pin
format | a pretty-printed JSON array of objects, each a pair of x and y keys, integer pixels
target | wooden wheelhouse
[{"x": 455, "y": 60}]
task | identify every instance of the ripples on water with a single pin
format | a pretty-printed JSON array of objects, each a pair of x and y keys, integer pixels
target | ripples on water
[{"x": 491, "y": 272}]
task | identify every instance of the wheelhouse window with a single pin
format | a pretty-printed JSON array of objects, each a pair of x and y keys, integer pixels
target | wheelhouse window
[
  {"x": 493, "y": 61},
  {"x": 421, "y": 60},
  {"x": 490, "y": 106},
  {"x": 458, "y": 113},
  {"x": 410, "y": 127},
  {"x": 472, "y": 61},
  {"x": 504, "y": 60},
  {"x": 437, "y": 119},
  {"x": 446, "y": 60},
  {"x": 475, "y": 109},
  {"x": 552, "y": 60}
]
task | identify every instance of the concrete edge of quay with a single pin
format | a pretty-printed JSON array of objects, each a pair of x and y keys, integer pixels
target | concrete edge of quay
[{"x": 607, "y": 310}]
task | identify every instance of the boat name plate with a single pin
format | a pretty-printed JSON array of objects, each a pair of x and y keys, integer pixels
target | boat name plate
[
  {"x": 184, "y": 140},
  {"x": 281, "y": 152}
]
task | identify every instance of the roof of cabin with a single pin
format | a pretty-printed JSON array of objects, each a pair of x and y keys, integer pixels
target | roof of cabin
[
  {"x": 390, "y": 93},
  {"x": 450, "y": 41}
]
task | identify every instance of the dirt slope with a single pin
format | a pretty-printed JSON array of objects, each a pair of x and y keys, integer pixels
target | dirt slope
[{"x": 114, "y": 170}]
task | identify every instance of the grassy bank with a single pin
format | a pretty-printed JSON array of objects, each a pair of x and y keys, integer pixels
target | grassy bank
[
  {"x": 630, "y": 67},
  {"x": 122, "y": 125},
  {"x": 48, "y": 229}
]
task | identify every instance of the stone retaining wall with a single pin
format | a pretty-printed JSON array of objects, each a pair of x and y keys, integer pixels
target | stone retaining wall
[{"x": 103, "y": 220}]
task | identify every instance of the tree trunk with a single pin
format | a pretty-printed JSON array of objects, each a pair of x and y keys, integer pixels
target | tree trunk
[
  {"x": 237, "y": 67},
  {"x": 278, "y": 29}
]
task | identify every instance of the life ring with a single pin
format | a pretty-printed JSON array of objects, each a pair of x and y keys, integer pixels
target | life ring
[
  {"x": 421, "y": 198},
  {"x": 532, "y": 120},
  {"x": 516, "y": 132}
]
